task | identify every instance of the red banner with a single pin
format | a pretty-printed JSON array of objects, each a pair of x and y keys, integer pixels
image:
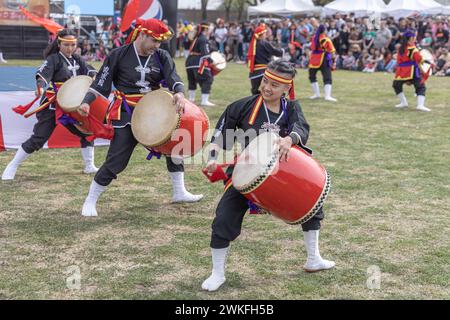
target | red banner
[{"x": 48, "y": 24}]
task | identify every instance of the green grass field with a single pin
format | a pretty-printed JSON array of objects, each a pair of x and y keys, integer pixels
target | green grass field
[{"x": 389, "y": 207}]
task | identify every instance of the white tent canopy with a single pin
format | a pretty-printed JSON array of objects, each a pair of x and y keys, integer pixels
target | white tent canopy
[
  {"x": 283, "y": 8},
  {"x": 359, "y": 7},
  {"x": 405, "y": 8}
]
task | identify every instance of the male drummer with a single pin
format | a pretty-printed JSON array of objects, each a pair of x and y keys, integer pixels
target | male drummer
[
  {"x": 135, "y": 69},
  {"x": 259, "y": 54},
  {"x": 269, "y": 111},
  {"x": 408, "y": 71},
  {"x": 197, "y": 66}
]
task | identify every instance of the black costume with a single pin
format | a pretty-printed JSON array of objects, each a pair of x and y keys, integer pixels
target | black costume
[
  {"x": 197, "y": 63},
  {"x": 53, "y": 72},
  {"x": 264, "y": 52},
  {"x": 132, "y": 75},
  {"x": 233, "y": 205}
]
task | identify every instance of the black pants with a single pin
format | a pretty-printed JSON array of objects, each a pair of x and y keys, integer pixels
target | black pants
[
  {"x": 44, "y": 128},
  {"x": 255, "y": 85},
  {"x": 205, "y": 80},
  {"x": 326, "y": 73},
  {"x": 420, "y": 87},
  {"x": 229, "y": 215},
  {"x": 119, "y": 154}
]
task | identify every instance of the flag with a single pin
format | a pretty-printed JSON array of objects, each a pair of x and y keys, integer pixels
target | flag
[{"x": 48, "y": 24}]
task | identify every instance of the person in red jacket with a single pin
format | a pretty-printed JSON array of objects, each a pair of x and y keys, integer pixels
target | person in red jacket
[
  {"x": 323, "y": 59},
  {"x": 409, "y": 71}
]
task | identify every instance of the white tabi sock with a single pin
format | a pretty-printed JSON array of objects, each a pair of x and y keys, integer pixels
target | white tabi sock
[
  {"x": 89, "y": 206},
  {"x": 88, "y": 158},
  {"x": 314, "y": 261},
  {"x": 180, "y": 194},
  {"x": 217, "y": 277},
  {"x": 10, "y": 170}
]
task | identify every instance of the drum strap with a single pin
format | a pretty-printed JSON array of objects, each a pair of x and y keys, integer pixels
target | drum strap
[{"x": 50, "y": 97}]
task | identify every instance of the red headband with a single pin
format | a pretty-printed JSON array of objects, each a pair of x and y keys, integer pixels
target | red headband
[{"x": 277, "y": 78}]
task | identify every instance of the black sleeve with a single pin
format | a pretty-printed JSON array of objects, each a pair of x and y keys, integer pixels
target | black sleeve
[
  {"x": 104, "y": 80},
  {"x": 169, "y": 71},
  {"x": 224, "y": 135},
  {"x": 86, "y": 69},
  {"x": 299, "y": 128},
  {"x": 272, "y": 51},
  {"x": 47, "y": 69}
]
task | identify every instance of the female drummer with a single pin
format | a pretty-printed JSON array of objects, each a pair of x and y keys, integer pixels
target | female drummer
[
  {"x": 135, "y": 69},
  {"x": 60, "y": 65},
  {"x": 269, "y": 111},
  {"x": 408, "y": 71}
]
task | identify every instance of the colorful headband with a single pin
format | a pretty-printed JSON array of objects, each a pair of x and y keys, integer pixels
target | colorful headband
[
  {"x": 277, "y": 78},
  {"x": 410, "y": 33},
  {"x": 67, "y": 40}
]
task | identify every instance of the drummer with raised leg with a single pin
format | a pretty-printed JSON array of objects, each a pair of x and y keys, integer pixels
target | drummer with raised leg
[
  {"x": 270, "y": 111},
  {"x": 135, "y": 69}
]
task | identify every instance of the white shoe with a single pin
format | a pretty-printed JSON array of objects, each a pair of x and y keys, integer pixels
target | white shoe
[
  {"x": 186, "y": 197},
  {"x": 2, "y": 60},
  {"x": 180, "y": 194},
  {"x": 207, "y": 104},
  {"x": 89, "y": 206},
  {"x": 10, "y": 171},
  {"x": 422, "y": 108},
  {"x": 205, "y": 101},
  {"x": 88, "y": 158},
  {"x": 213, "y": 283},
  {"x": 331, "y": 99},
  {"x": 90, "y": 169},
  {"x": 89, "y": 209},
  {"x": 403, "y": 102},
  {"x": 318, "y": 265},
  {"x": 217, "y": 277},
  {"x": 192, "y": 95},
  {"x": 327, "y": 88},
  {"x": 421, "y": 104},
  {"x": 316, "y": 90},
  {"x": 314, "y": 261}
]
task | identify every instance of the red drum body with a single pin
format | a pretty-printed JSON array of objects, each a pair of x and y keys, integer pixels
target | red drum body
[
  {"x": 293, "y": 191},
  {"x": 71, "y": 95},
  {"x": 156, "y": 124}
]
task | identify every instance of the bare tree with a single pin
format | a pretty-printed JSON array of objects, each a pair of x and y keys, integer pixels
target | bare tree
[
  {"x": 239, "y": 5},
  {"x": 227, "y": 4},
  {"x": 204, "y": 12}
]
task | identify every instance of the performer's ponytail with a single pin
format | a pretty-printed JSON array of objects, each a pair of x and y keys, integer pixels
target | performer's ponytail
[{"x": 54, "y": 46}]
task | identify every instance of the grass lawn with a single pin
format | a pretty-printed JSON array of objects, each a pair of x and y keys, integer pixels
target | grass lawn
[{"x": 389, "y": 207}]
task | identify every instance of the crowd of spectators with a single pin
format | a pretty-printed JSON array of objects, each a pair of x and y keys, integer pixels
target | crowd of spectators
[{"x": 362, "y": 44}]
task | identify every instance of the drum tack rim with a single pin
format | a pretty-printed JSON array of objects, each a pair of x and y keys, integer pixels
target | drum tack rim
[{"x": 326, "y": 190}]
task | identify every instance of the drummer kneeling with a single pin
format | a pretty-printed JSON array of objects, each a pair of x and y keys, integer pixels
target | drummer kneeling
[{"x": 268, "y": 111}]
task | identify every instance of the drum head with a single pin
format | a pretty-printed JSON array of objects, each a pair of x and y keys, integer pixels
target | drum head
[
  {"x": 218, "y": 60},
  {"x": 72, "y": 92},
  {"x": 154, "y": 118},
  {"x": 256, "y": 162},
  {"x": 428, "y": 57}
]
